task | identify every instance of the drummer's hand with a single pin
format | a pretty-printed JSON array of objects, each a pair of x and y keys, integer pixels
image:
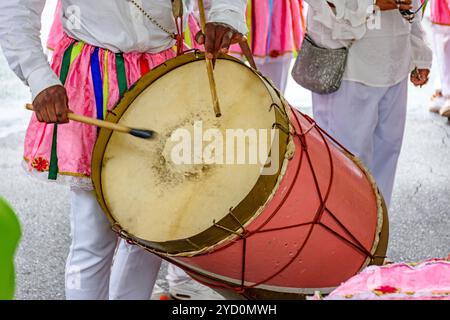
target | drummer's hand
[
  {"x": 420, "y": 77},
  {"x": 219, "y": 38},
  {"x": 51, "y": 106},
  {"x": 394, "y": 4}
]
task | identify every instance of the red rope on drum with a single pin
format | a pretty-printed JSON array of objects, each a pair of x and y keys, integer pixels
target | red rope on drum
[
  {"x": 280, "y": 205},
  {"x": 323, "y": 201},
  {"x": 311, "y": 120},
  {"x": 283, "y": 228},
  {"x": 359, "y": 245}
]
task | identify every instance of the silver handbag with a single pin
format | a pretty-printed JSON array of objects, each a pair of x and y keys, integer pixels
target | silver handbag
[{"x": 320, "y": 69}]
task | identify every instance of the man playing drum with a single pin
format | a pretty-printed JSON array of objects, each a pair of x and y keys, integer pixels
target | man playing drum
[{"x": 108, "y": 45}]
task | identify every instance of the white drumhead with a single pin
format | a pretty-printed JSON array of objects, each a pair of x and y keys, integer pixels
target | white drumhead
[{"x": 146, "y": 191}]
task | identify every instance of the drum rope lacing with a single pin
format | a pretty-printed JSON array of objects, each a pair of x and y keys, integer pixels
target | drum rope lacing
[{"x": 246, "y": 234}]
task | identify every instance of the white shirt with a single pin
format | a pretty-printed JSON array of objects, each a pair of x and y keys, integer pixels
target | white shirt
[
  {"x": 379, "y": 56},
  {"x": 116, "y": 25}
]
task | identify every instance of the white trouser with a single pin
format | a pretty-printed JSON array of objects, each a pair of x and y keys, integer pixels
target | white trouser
[
  {"x": 277, "y": 69},
  {"x": 89, "y": 264},
  {"x": 370, "y": 122},
  {"x": 175, "y": 275},
  {"x": 441, "y": 42},
  {"x": 133, "y": 274}
]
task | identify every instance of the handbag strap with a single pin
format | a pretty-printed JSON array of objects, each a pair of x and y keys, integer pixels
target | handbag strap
[{"x": 309, "y": 39}]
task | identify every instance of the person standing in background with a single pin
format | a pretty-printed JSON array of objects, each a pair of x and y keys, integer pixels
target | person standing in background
[
  {"x": 367, "y": 114},
  {"x": 440, "y": 18}
]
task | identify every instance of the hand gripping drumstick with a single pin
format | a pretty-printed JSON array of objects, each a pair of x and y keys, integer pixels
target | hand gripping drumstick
[
  {"x": 209, "y": 64},
  {"x": 140, "y": 133}
]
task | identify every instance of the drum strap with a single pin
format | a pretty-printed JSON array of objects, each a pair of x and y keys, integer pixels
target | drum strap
[{"x": 53, "y": 170}]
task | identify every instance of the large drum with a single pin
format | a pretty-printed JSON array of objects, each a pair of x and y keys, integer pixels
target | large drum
[{"x": 260, "y": 202}]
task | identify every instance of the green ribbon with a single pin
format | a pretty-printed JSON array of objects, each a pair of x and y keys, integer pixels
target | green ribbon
[
  {"x": 66, "y": 63},
  {"x": 9, "y": 239},
  {"x": 121, "y": 74},
  {"x": 53, "y": 171}
]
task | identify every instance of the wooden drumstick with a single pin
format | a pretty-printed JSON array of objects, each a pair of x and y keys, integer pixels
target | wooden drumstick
[
  {"x": 140, "y": 133},
  {"x": 209, "y": 63}
]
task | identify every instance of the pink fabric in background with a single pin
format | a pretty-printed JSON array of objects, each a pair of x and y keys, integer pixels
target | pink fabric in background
[
  {"x": 286, "y": 27},
  {"x": 194, "y": 28},
  {"x": 277, "y": 34},
  {"x": 429, "y": 280},
  {"x": 440, "y": 12}
]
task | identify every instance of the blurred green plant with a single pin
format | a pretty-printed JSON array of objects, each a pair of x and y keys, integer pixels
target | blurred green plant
[{"x": 9, "y": 239}]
